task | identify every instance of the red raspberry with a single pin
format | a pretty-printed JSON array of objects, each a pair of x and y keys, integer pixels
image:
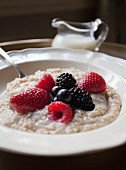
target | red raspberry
[
  {"x": 46, "y": 82},
  {"x": 92, "y": 82},
  {"x": 60, "y": 112},
  {"x": 30, "y": 100}
]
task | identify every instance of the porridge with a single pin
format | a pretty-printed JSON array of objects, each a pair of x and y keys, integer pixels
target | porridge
[{"x": 103, "y": 106}]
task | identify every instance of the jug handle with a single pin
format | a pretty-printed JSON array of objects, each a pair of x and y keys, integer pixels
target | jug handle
[{"x": 102, "y": 36}]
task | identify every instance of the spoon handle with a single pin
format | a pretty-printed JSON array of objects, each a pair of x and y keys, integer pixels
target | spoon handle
[{"x": 7, "y": 57}]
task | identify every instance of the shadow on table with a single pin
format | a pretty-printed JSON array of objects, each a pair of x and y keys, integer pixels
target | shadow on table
[{"x": 106, "y": 160}]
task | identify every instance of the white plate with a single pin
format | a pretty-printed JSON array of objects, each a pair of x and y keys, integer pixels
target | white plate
[{"x": 114, "y": 71}]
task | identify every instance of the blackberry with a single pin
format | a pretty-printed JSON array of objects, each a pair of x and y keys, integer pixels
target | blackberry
[
  {"x": 81, "y": 99},
  {"x": 66, "y": 81}
]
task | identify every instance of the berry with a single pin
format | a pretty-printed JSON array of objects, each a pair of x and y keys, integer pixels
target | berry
[
  {"x": 93, "y": 83},
  {"x": 66, "y": 81},
  {"x": 55, "y": 99},
  {"x": 30, "y": 100},
  {"x": 55, "y": 90},
  {"x": 46, "y": 82},
  {"x": 64, "y": 95},
  {"x": 59, "y": 111},
  {"x": 81, "y": 99}
]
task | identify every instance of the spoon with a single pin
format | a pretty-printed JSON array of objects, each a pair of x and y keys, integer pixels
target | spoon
[{"x": 9, "y": 60}]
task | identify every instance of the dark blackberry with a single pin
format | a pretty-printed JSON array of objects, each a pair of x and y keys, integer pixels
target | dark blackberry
[
  {"x": 66, "y": 81},
  {"x": 81, "y": 99}
]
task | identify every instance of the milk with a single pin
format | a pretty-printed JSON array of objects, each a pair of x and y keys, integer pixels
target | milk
[{"x": 75, "y": 41}]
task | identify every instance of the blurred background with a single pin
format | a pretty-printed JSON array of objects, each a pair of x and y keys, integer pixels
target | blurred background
[{"x": 28, "y": 19}]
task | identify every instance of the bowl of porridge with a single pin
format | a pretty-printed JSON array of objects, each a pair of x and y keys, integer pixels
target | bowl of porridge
[{"x": 69, "y": 102}]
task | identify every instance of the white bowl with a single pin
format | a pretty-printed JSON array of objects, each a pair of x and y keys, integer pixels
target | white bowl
[{"x": 30, "y": 60}]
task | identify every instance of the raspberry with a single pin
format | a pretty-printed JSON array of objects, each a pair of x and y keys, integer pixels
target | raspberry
[
  {"x": 46, "y": 82},
  {"x": 59, "y": 111},
  {"x": 30, "y": 100},
  {"x": 81, "y": 99},
  {"x": 65, "y": 81},
  {"x": 93, "y": 83}
]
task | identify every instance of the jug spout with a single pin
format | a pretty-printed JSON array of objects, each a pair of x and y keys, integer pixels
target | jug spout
[{"x": 58, "y": 22}]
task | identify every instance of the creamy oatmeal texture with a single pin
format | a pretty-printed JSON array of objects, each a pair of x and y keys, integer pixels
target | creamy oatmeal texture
[{"x": 107, "y": 108}]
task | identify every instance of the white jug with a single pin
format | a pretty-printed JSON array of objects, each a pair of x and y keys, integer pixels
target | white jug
[{"x": 79, "y": 35}]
